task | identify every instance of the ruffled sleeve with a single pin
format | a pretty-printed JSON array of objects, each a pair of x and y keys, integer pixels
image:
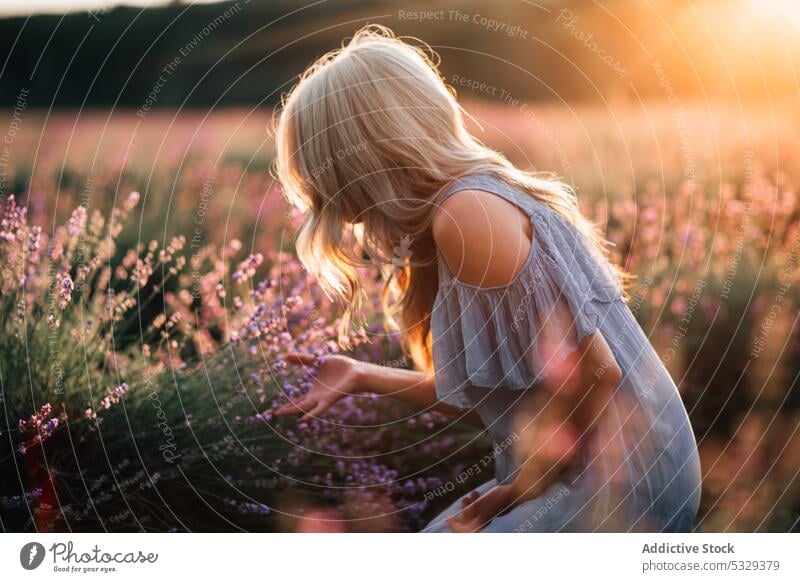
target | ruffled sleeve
[{"x": 510, "y": 336}]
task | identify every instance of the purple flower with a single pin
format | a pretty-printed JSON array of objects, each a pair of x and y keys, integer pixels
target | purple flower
[
  {"x": 247, "y": 268},
  {"x": 77, "y": 222},
  {"x": 131, "y": 201},
  {"x": 65, "y": 289}
]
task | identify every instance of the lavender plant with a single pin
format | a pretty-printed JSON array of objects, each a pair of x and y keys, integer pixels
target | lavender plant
[{"x": 122, "y": 417}]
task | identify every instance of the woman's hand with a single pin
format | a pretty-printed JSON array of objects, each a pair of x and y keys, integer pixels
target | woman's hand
[
  {"x": 335, "y": 378},
  {"x": 478, "y": 510},
  {"x": 339, "y": 376}
]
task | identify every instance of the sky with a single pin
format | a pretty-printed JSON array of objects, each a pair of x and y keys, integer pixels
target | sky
[{"x": 23, "y": 7}]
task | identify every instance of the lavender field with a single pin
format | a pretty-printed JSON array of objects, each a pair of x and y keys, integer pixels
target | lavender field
[{"x": 149, "y": 293}]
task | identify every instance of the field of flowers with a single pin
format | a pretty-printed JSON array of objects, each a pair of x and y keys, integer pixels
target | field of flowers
[{"x": 149, "y": 293}]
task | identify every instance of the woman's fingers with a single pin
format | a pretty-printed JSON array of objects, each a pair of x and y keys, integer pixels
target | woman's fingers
[
  {"x": 469, "y": 499},
  {"x": 454, "y": 524},
  {"x": 296, "y": 407},
  {"x": 469, "y": 510},
  {"x": 318, "y": 409},
  {"x": 461, "y": 525},
  {"x": 291, "y": 408},
  {"x": 309, "y": 408},
  {"x": 310, "y": 405},
  {"x": 467, "y": 520},
  {"x": 302, "y": 359},
  {"x": 451, "y": 521}
]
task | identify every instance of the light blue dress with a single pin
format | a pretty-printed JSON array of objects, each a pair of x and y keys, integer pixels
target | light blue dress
[{"x": 638, "y": 469}]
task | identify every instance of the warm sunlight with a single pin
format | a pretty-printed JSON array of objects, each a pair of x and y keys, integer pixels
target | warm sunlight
[{"x": 773, "y": 12}]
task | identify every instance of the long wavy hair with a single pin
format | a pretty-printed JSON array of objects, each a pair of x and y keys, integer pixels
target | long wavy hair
[{"x": 366, "y": 141}]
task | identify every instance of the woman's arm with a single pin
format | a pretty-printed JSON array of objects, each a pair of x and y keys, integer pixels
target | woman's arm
[
  {"x": 412, "y": 386},
  {"x": 571, "y": 401},
  {"x": 339, "y": 376},
  {"x": 572, "y": 398}
]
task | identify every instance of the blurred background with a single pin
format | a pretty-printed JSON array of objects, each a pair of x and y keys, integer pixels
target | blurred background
[{"x": 149, "y": 287}]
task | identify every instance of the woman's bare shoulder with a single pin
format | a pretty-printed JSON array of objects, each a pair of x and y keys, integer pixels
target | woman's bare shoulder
[{"x": 484, "y": 239}]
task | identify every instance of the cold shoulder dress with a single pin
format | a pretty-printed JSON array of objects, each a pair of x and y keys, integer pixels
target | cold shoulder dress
[{"x": 638, "y": 468}]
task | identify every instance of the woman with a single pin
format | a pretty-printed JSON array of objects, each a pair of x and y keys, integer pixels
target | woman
[{"x": 500, "y": 290}]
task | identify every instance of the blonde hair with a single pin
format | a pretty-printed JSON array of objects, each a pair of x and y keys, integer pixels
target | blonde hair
[{"x": 366, "y": 141}]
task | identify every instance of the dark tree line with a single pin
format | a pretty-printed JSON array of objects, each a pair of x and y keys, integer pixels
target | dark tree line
[{"x": 249, "y": 51}]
